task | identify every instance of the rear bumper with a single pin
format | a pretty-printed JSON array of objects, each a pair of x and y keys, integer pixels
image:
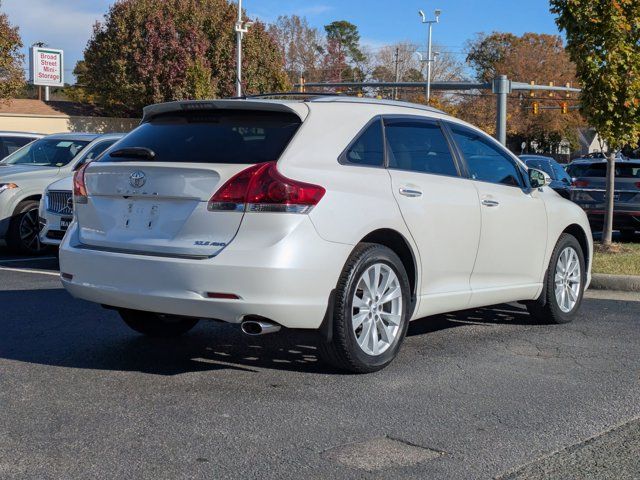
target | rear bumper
[{"x": 288, "y": 281}]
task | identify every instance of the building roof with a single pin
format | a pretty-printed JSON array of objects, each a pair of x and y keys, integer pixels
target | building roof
[{"x": 26, "y": 106}]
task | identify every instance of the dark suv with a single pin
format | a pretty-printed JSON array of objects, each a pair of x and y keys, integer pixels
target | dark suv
[{"x": 589, "y": 180}]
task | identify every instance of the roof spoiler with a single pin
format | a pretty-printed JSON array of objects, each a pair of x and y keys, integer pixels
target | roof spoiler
[{"x": 152, "y": 111}]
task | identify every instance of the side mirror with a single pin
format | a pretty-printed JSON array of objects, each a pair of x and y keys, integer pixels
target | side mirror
[{"x": 538, "y": 178}]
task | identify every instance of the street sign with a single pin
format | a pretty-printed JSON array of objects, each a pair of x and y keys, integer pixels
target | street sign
[{"x": 46, "y": 67}]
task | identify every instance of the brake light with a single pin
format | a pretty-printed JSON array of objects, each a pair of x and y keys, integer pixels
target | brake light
[
  {"x": 261, "y": 188},
  {"x": 580, "y": 183},
  {"x": 79, "y": 187}
]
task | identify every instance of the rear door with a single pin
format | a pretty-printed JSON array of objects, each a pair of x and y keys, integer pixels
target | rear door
[
  {"x": 440, "y": 208},
  {"x": 149, "y": 193},
  {"x": 513, "y": 241}
]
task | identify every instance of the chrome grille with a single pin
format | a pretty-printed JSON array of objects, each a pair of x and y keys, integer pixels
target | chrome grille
[{"x": 60, "y": 202}]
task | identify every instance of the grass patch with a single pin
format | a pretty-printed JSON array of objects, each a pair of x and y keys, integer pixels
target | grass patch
[{"x": 620, "y": 259}]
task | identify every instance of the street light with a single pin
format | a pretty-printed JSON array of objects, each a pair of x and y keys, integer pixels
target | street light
[
  {"x": 241, "y": 28},
  {"x": 430, "y": 58}
]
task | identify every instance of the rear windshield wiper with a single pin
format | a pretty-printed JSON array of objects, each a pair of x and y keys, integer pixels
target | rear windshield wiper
[{"x": 133, "y": 152}]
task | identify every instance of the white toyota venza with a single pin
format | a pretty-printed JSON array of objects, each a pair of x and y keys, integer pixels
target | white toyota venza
[{"x": 348, "y": 216}]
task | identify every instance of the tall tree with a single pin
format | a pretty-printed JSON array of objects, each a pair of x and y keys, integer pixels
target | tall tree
[
  {"x": 343, "y": 58},
  {"x": 11, "y": 74},
  {"x": 301, "y": 46},
  {"x": 533, "y": 57},
  {"x": 147, "y": 51},
  {"x": 603, "y": 39}
]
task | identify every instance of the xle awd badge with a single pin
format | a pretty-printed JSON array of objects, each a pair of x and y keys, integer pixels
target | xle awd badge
[{"x": 137, "y": 179}]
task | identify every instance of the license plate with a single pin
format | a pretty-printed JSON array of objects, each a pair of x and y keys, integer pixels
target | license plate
[
  {"x": 140, "y": 216},
  {"x": 64, "y": 223}
]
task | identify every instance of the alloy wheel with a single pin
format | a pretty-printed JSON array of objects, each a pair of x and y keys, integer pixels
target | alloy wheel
[
  {"x": 568, "y": 278},
  {"x": 377, "y": 308},
  {"x": 29, "y": 231}
]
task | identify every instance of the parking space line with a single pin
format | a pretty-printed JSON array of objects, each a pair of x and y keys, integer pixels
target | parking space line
[
  {"x": 27, "y": 270},
  {"x": 35, "y": 259}
]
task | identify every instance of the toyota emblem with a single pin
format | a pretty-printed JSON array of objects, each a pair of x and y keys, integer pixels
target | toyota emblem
[{"x": 137, "y": 179}]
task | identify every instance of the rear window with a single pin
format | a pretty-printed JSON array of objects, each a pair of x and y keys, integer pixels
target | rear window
[
  {"x": 544, "y": 165},
  {"x": 623, "y": 170},
  {"x": 221, "y": 136}
]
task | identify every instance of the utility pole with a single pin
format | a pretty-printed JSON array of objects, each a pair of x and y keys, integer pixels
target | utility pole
[
  {"x": 395, "y": 90},
  {"x": 430, "y": 58},
  {"x": 241, "y": 28}
]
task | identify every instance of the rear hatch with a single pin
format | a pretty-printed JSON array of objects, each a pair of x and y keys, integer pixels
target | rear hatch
[
  {"x": 149, "y": 193},
  {"x": 592, "y": 182}
]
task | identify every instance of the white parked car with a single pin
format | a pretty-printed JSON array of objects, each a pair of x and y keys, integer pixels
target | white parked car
[
  {"x": 56, "y": 205},
  {"x": 349, "y": 216}
]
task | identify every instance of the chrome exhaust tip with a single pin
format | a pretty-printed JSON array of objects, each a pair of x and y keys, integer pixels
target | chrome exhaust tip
[{"x": 258, "y": 327}]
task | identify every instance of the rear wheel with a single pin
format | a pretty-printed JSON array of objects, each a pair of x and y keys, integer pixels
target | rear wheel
[
  {"x": 157, "y": 324},
  {"x": 24, "y": 230},
  {"x": 564, "y": 285},
  {"x": 371, "y": 311}
]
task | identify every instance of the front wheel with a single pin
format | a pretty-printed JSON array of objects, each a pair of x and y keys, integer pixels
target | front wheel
[
  {"x": 23, "y": 235},
  {"x": 564, "y": 284},
  {"x": 157, "y": 324},
  {"x": 371, "y": 311}
]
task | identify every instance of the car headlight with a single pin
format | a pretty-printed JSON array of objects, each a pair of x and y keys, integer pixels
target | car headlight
[{"x": 7, "y": 186}]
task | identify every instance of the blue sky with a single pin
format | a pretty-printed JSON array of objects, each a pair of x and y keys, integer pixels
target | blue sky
[{"x": 67, "y": 24}]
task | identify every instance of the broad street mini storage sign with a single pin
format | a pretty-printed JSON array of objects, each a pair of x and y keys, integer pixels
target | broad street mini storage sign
[{"x": 45, "y": 67}]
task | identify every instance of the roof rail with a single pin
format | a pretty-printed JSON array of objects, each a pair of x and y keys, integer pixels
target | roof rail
[
  {"x": 377, "y": 101},
  {"x": 292, "y": 94}
]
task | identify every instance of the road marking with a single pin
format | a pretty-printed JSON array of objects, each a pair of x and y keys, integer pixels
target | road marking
[
  {"x": 26, "y": 270},
  {"x": 15, "y": 260}
]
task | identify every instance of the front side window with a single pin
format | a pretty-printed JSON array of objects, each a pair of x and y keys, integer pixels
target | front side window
[
  {"x": 418, "y": 146},
  {"x": 367, "y": 148},
  {"x": 47, "y": 152},
  {"x": 485, "y": 161}
]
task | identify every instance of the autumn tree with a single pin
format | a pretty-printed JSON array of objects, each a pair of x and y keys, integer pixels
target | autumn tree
[
  {"x": 147, "y": 51},
  {"x": 343, "y": 59},
  {"x": 301, "y": 47},
  {"x": 11, "y": 74},
  {"x": 603, "y": 39},
  {"x": 540, "y": 58}
]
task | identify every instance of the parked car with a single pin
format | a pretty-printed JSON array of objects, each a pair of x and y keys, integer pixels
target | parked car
[
  {"x": 603, "y": 156},
  {"x": 589, "y": 192},
  {"x": 560, "y": 179},
  {"x": 23, "y": 177},
  {"x": 12, "y": 141},
  {"x": 276, "y": 213},
  {"x": 56, "y": 205}
]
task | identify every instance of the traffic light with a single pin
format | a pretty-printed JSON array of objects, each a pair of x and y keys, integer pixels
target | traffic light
[
  {"x": 536, "y": 108},
  {"x": 564, "y": 108}
]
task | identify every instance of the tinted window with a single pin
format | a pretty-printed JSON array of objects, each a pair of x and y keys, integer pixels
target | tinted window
[
  {"x": 47, "y": 152},
  {"x": 561, "y": 174},
  {"x": 486, "y": 162},
  {"x": 419, "y": 146},
  {"x": 544, "y": 165},
  {"x": 367, "y": 148},
  {"x": 623, "y": 170},
  {"x": 97, "y": 149},
  {"x": 8, "y": 145},
  {"x": 221, "y": 136}
]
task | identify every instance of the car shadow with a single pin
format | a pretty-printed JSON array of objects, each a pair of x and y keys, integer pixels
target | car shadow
[{"x": 49, "y": 327}]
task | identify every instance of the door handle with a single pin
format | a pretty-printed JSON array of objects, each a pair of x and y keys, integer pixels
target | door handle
[
  {"x": 410, "y": 192},
  {"x": 490, "y": 203}
]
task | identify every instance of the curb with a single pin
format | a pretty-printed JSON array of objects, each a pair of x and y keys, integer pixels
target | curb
[{"x": 623, "y": 283}]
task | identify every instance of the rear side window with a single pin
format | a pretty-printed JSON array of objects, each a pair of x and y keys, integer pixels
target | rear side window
[
  {"x": 8, "y": 145},
  {"x": 418, "y": 146},
  {"x": 367, "y": 148},
  {"x": 220, "y": 136},
  {"x": 486, "y": 162}
]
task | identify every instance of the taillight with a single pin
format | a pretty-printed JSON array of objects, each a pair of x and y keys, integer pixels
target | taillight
[
  {"x": 261, "y": 188},
  {"x": 79, "y": 187},
  {"x": 638, "y": 184},
  {"x": 580, "y": 183}
]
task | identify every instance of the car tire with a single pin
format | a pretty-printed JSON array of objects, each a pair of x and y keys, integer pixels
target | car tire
[
  {"x": 561, "y": 297},
  {"x": 381, "y": 325},
  {"x": 23, "y": 235},
  {"x": 156, "y": 324}
]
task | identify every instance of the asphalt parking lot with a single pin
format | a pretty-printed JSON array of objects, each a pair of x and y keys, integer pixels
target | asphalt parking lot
[{"x": 476, "y": 394}]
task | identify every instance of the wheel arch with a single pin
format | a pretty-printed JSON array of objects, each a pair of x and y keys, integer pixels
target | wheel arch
[
  {"x": 35, "y": 198},
  {"x": 395, "y": 241},
  {"x": 578, "y": 232}
]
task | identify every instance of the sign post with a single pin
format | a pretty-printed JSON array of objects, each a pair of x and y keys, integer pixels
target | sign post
[{"x": 46, "y": 68}]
